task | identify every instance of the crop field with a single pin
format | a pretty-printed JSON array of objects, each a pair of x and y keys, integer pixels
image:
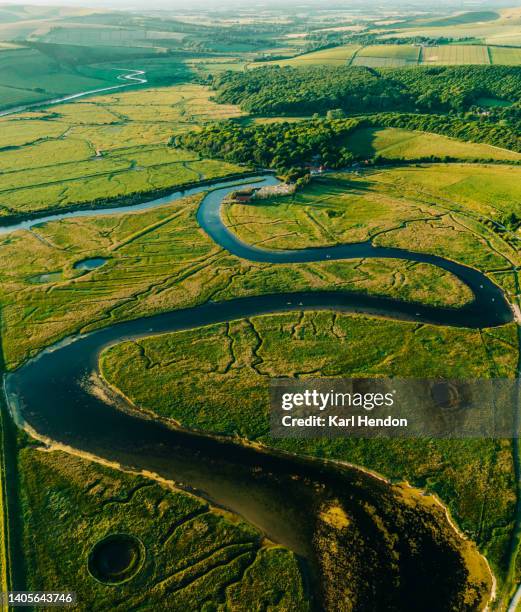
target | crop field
[
  {"x": 110, "y": 147},
  {"x": 401, "y": 144},
  {"x": 236, "y": 361},
  {"x": 387, "y": 56},
  {"x": 148, "y": 269},
  {"x": 505, "y": 55},
  {"x": 396, "y": 56},
  {"x": 337, "y": 56},
  {"x": 455, "y": 54},
  {"x": 189, "y": 552}
]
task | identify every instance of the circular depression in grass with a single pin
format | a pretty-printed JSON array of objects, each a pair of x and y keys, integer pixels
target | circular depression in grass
[{"x": 116, "y": 558}]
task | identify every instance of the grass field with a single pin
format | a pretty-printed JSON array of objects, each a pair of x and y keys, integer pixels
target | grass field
[
  {"x": 504, "y": 55},
  {"x": 392, "y": 206},
  {"x": 105, "y": 148},
  {"x": 486, "y": 189},
  {"x": 400, "y": 144},
  {"x": 236, "y": 360},
  {"x": 149, "y": 270},
  {"x": 193, "y": 555},
  {"x": 27, "y": 75}
]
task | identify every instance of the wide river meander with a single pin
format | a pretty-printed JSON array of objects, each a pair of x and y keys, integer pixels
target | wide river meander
[{"x": 275, "y": 492}]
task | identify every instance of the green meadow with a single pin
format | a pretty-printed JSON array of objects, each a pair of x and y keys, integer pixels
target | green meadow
[
  {"x": 189, "y": 551},
  {"x": 105, "y": 149},
  {"x": 430, "y": 208},
  {"x": 150, "y": 270},
  {"x": 235, "y": 361},
  {"x": 402, "y": 145}
]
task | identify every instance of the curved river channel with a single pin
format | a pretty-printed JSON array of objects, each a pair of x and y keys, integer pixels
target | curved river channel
[{"x": 280, "y": 494}]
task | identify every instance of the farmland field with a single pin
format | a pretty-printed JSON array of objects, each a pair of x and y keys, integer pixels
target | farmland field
[
  {"x": 505, "y": 55},
  {"x": 395, "y": 56},
  {"x": 387, "y": 56},
  {"x": 338, "y": 56},
  {"x": 456, "y": 54},
  {"x": 396, "y": 144}
]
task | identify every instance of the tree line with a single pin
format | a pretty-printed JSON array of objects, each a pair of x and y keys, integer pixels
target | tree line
[{"x": 290, "y": 148}]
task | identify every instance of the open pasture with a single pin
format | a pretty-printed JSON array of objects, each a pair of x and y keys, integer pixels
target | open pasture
[
  {"x": 32, "y": 76},
  {"x": 401, "y": 144}
]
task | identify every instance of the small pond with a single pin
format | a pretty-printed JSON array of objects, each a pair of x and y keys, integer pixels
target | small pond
[{"x": 90, "y": 264}]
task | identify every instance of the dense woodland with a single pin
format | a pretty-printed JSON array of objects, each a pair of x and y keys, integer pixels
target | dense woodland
[
  {"x": 281, "y": 146},
  {"x": 444, "y": 100},
  {"x": 287, "y": 146},
  {"x": 355, "y": 89}
]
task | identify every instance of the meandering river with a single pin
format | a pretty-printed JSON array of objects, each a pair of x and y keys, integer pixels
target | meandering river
[{"x": 278, "y": 493}]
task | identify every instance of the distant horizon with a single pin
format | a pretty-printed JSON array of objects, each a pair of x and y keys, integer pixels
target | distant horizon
[{"x": 196, "y": 5}]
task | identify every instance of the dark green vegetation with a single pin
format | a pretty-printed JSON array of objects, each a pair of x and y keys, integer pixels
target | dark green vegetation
[
  {"x": 340, "y": 91},
  {"x": 276, "y": 145},
  {"x": 232, "y": 364},
  {"x": 285, "y": 146},
  {"x": 279, "y": 91},
  {"x": 185, "y": 551}
]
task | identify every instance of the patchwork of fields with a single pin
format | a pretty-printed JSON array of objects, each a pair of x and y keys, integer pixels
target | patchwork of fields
[
  {"x": 395, "y": 56},
  {"x": 108, "y": 147}
]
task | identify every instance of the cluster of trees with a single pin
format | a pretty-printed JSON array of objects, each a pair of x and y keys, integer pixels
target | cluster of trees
[
  {"x": 355, "y": 89},
  {"x": 285, "y": 147},
  {"x": 457, "y": 88},
  {"x": 290, "y": 148},
  {"x": 316, "y": 89}
]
